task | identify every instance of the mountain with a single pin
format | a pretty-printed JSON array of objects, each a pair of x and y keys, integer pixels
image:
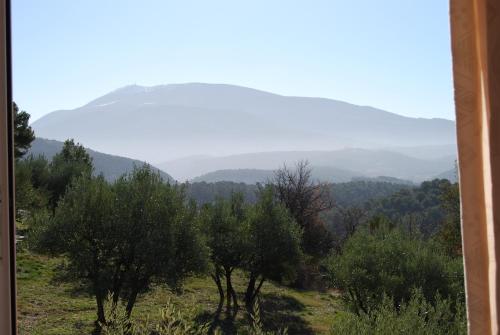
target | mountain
[
  {"x": 253, "y": 176},
  {"x": 110, "y": 166},
  {"x": 346, "y": 164},
  {"x": 327, "y": 174},
  {"x": 166, "y": 122},
  {"x": 451, "y": 175}
]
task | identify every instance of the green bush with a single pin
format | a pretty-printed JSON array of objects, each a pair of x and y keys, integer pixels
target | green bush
[
  {"x": 417, "y": 317},
  {"x": 390, "y": 262}
]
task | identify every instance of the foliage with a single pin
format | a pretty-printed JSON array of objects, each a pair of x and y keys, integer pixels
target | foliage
[
  {"x": 347, "y": 221},
  {"x": 159, "y": 237},
  {"x": 28, "y": 197},
  {"x": 71, "y": 163},
  {"x": 83, "y": 229},
  {"x": 120, "y": 238},
  {"x": 390, "y": 261},
  {"x": 420, "y": 205},
  {"x": 305, "y": 200},
  {"x": 417, "y": 316},
  {"x": 273, "y": 244},
  {"x": 224, "y": 223},
  {"x": 207, "y": 193},
  {"x": 172, "y": 321},
  {"x": 23, "y": 134},
  {"x": 357, "y": 193},
  {"x": 450, "y": 234}
]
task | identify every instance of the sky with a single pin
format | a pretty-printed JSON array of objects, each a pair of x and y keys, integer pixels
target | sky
[{"x": 390, "y": 54}]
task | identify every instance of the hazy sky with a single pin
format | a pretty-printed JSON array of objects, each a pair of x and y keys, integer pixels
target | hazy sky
[{"x": 391, "y": 54}]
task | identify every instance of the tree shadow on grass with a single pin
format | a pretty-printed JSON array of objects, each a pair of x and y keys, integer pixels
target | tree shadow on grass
[
  {"x": 228, "y": 326},
  {"x": 280, "y": 311}
]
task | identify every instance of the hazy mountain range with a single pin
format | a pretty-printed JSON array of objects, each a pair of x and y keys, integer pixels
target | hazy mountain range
[
  {"x": 224, "y": 127},
  {"x": 318, "y": 173},
  {"x": 337, "y": 166}
]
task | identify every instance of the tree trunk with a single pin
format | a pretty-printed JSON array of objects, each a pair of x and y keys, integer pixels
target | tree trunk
[
  {"x": 228, "y": 291},
  {"x": 101, "y": 318},
  {"x": 100, "y": 308},
  {"x": 257, "y": 290},
  {"x": 235, "y": 302},
  {"x": 252, "y": 292},
  {"x": 217, "y": 280},
  {"x": 131, "y": 301},
  {"x": 249, "y": 291},
  {"x": 231, "y": 293}
]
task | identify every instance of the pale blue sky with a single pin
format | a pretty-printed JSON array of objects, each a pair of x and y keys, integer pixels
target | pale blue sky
[{"x": 390, "y": 54}]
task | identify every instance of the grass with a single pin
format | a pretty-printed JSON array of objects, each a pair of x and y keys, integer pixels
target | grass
[{"x": 49, "y": 306}]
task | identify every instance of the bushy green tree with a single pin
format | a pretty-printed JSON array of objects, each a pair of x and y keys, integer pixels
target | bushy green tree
[
  {"x": 72, "y": 162},
  {"x": 416, "y": 316},
  {"x": 423, "y": 203},
  {"x": 83, "y": 229},
  {"x": 450, "y": 235},
  {"x": 224, "y": 223},
  {"x": 23, "y": 134},
  {"x": 121, "y": 238},
  {"x": 31, "y": 183},
  {"x": 389, "y": 261},
  {"x": 158, "y": 235},
  {"x": 274, "y": 244}
]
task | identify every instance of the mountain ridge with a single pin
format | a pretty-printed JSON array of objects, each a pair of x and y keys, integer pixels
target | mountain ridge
[
  {"x": 359, "y": 162},
  {"x": 164, "y": 122}
]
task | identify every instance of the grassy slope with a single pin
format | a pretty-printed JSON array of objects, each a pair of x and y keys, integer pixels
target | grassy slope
[{"x": 50, "y": 306}]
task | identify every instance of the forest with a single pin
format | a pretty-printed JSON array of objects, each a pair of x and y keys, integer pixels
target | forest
[{"x": 144, "y": 255}]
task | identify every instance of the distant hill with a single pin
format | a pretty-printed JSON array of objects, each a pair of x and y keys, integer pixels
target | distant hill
[
  {"x": 342, "y": 164},
  {"x": 110, "y": 166},
  {"x": 253, "y": 176},
  {"x": 162, "y": 123},
  {"x": 451, "y": 175}
]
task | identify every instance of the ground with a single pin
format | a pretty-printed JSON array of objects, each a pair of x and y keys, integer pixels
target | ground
[{"x": 49, "y": 305}]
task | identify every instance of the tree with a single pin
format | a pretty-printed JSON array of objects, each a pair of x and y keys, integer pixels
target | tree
[
  {"x": 72, "y": 162},
  {"x": 23, "y": 134},
  {"x": 350, "y": 219},
  {"x": 83, "y": 228},
  {"x": 121, "y": 238},
  {"x": 30, "y": 195},
  {"x": 416, "y": 316},
  {"x": 305, "y": 200},
  {"x": 450, "y": 234},
  {"x": 158, "y": 235},
  {"x": 224, "y": 225},
  {"x": 274, "y": 251},
  {"x": 384, "y": 260}
]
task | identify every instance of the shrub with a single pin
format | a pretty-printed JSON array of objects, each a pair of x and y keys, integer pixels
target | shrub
[
  {"x": 417, "y": 317},
  {"x": 390, "y": 262}
]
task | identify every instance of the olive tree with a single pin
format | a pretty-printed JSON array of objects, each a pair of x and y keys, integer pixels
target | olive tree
[
  {"x": 158, "y": 235},
  {"x": 121, "y": 238},
  {"x": 273, "y": 239},
  {"x": 388, "y": 261},
  {"x": 84, "y": 230},
  {"x": 71, "y": 162},
  {"x": 224, "y": 225}
]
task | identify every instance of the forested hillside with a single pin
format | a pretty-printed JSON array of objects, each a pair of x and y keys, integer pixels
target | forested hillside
[{"x": 110, "y": 166}]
